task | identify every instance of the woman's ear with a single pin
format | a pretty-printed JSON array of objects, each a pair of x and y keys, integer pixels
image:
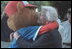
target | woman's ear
[{"x": 19, "y": 6}]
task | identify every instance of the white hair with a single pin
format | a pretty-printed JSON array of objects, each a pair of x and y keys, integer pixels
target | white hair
[{"x": 51, "y": 13}]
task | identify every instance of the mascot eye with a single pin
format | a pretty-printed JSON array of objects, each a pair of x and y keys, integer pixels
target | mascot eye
[{"x": 30, "y": 8}]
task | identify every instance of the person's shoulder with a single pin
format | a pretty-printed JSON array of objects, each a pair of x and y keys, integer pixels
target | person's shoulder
[
  {"x": 54, "y": 34},
  {"x": 64, "y": 22},
  {"x": 55, "y": 30}
]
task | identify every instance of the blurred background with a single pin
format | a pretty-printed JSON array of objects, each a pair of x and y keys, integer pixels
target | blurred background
[{"x": 62, "y": 6}]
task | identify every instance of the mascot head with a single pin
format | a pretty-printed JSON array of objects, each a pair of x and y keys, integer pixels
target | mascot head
[{"x": 20, "y": 14}]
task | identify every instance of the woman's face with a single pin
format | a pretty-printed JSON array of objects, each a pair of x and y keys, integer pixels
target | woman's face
[{"x": 41, "y": 18}]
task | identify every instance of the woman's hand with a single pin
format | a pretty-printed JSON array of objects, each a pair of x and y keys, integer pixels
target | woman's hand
[{"x": 14, "y": 35}]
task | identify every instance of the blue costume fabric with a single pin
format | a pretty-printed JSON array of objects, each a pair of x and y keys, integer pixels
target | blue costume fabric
[{"x": 27, "y": 33}]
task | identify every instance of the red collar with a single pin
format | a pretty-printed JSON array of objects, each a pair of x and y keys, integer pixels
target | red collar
[{"x": 48, "y": 27}]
